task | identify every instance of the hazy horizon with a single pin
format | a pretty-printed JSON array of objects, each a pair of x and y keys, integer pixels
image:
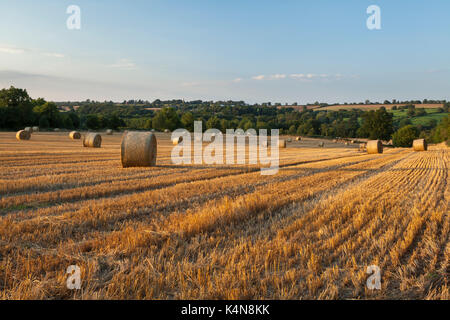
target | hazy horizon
[{"x": 255, "y": 51}]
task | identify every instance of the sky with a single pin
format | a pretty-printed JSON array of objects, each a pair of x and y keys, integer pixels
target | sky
[{"x": 252, "y": 50}]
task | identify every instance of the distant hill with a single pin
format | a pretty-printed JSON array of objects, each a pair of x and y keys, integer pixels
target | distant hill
[
  {"x": 361, "y": 106},
  {"x": 377, "y": 106}
]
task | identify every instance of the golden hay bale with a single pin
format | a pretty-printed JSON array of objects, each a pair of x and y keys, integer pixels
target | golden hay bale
[
  {"x": 35, "y": 129},
  {"x": 92, "y": 140},
  {"x": 23, "y": 135},
  {"x": 362, "y": 147},
  {"x": 138, "y": 149},
  {"x": 352, "y": 141},
  {"x": 420, "y": 145},
  {"x": 178, "y": 140},
  {"x": 282, "y": 143},
  {"x": 335, "y": 141},
  {"x": 109, "y": 132},
  {"x": 298, "y": 139},
  {"x": 321, "y": 144},
  {"x": 29, "y": 130},
  {"x": 75, "y": 135},
  {"x": 374, "y": 146}
]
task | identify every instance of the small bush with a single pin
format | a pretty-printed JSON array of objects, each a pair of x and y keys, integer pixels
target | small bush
[{"x": 405, "y": 136}]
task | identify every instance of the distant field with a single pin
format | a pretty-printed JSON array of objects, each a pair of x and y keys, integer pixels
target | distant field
[
  {"x": 222, "y": 232},
  {"x": 432, "y": 113},
  {"x": 376, "y": 106}
]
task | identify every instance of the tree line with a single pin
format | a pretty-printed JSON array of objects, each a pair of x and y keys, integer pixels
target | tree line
[{"x": 18, "y": 110}]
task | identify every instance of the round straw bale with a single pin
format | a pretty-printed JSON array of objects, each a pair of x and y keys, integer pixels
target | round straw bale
[
  {"x": 298, "y": 139},
  {"x": 178, "y": 140},
  {"x": 35, "y": 129},
  {"x": 362, "y": 147},
  {"x": 75, "y": 135},
  {"x": 138, "y": 149},
  {"x": 29, "y": 129},
  {"x": 92, "y": 140},
  {"x": 282, "y": 143},
  {"x": 420, "y": 145},
  {"x": 109, "y": 132},
  {"x": 374, "y": 146},
  {"x": 23, "y": 135}
]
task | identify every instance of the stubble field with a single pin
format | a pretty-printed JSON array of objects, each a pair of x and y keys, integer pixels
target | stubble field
[{"x": 221, "y": 232}]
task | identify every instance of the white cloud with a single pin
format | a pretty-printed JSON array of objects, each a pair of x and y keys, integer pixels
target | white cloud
[
  {"x": 11, "y": 50},
  {"x": 14, "y": 50},
  {"x": 273, "y": 76},
  {"x": 190, "y": 84},
  {"x": 300, "y": 76},
  {"x": 54, "y": 55},
  {"x": 313, "y": 76},
  {"x": 237, "y": 80},
  {"x": 278, "y": 76},
  {"x": 260, "y": 77},
  {"x": 123, "y": 64}
]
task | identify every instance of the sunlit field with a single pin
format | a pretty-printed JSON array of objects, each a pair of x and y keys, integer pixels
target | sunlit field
[{"x": 225, "y": 231}]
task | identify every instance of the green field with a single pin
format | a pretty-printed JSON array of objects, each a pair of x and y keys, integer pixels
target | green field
[{"x": 432, "y": 113}]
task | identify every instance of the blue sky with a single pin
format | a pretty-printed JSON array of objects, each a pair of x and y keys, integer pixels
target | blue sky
[{"x": 279, "y": 51}]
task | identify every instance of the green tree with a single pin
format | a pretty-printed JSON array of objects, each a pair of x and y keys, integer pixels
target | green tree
[
  {"x": 404, "y": 122},
  {"x": 292, "y": 130},
  {"x": 411, "y": 111},
  {"x": 187, "y": 121},
  {"x": 17, "y": 108},
  {"x": 405, "y": 136},
  {"x": 38, "y": 102},
  {"x": 50, "y": 111},
  {"x": 167, "y": 118},
  {"x": 66, "y": 122},
  {"x": 93, "y": 122},
  {"x": 74, "y": 118},
  {"x": 115, "y": 122},
  {"x": 442, "y": 131},
  {"x": 419, "y": 112},
  {"x": 43, "y": 122},
  {"x": 377, "y": 124},
  {"x": 213, "y": 123},
  {"x": 224, "y": 125},
  {"x": 148, "y": 124}
]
